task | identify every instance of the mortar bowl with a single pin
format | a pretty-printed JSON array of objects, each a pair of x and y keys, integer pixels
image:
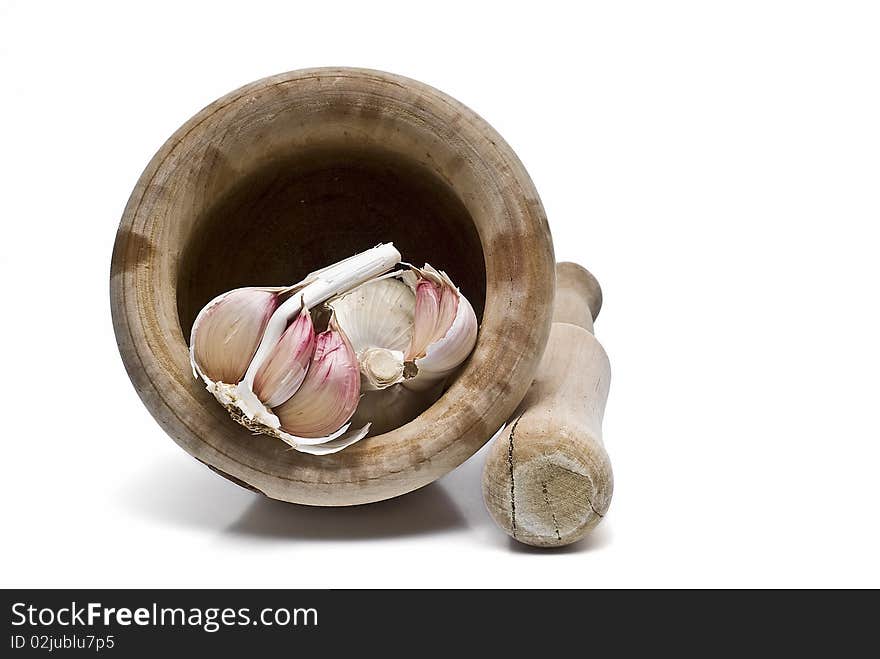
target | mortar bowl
[{"x": 296, "y": 171}]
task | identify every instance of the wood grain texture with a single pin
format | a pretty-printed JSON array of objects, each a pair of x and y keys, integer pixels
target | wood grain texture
[
  {"x": 293, "y": 172},
  {"x": 547, "y": 480}
]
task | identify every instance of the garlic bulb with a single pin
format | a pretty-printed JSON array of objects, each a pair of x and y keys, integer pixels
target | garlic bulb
[
  {"x": 392, "y": 336},
  {"x": 254, "y": 349}
]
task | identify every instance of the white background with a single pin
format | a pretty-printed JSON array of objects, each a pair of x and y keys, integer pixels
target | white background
[{"x": 716, "y": 165}]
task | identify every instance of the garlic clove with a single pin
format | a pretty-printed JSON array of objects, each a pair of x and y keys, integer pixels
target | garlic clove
[
  {"x": 227, "y": 332},
  {"x": 284, "y": 370},
  {"x": 377, "y": 314},
  {"x": 437, "y": 301},
  {"x": 377, "y": 317},
  {"x": 425, "y": 318},
  {"x": 445, "y": 327},
  {"x": 329, "y": 394},
  {"x": 448, "y": 353}
]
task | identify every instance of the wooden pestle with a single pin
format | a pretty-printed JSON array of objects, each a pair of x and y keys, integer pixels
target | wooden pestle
[{"x": 547, "y": 480}]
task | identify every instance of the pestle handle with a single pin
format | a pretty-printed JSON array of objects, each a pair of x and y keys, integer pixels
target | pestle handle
[
  {"x": 578, "y": 296},
  {"x": 547, "y": 480}
]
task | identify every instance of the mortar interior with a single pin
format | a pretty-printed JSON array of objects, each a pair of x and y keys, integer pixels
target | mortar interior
[{"x": 295, "y": 214}]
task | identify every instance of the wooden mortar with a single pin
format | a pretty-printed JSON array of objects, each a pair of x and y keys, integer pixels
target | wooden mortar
[
  {"x": 547, "y": 480},
  {"x": 292, "y": 173}
]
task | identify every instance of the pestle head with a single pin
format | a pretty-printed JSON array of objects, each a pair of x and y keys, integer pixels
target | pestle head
[{"x": 547, "y": 486}]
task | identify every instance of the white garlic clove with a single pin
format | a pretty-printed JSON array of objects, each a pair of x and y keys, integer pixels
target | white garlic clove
[
  {"x": 378, "y": 314},
  {"x": 227, "y": 332},
  {"x": 329, "y": 394},
  {"x": 377, "y": 317},
  {"x": 285, "y": 368},
  {"x": 448, "y": 353}
]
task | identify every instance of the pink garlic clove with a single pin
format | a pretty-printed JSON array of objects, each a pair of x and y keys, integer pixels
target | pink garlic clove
[
  {"x": 284, "y": 370},
  {"x": 329, "y": 394}
]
